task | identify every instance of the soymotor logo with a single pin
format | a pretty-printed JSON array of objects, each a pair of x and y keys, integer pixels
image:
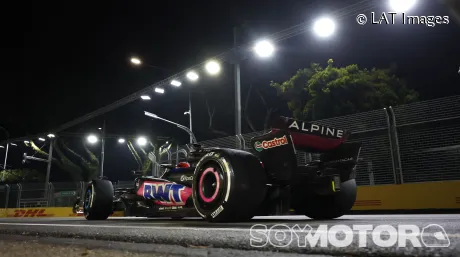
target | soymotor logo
[
  {"x": 281, "y": 235},
  {"x": 270, "y": 144}
]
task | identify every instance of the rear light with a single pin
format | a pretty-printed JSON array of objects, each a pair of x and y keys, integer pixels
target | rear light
[
  {"x": 183, "y": 165},
  {"x": 262, "y": 164}
]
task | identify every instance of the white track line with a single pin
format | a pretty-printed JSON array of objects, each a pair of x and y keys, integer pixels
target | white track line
[
  {"x": 128, "y": 227},
  {"x": 175, "y": 228}
]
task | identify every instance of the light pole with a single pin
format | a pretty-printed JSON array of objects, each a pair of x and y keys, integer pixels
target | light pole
[
  {"x": 264, "y": 49},
  {"x": 6, "y": 151},
  {"x": 151, "y": 115},
  {"x": 137, "y": 61},
  {"x": 237, "y": 86},
  {"x": 212, "y": 67},
  {"x": 189, "y": 113},
  {"x": 103, "y": 149},
  {"x": 6, "y": 158},
  {"x": 324, "y": 27},
  {"x": 48, "y": 167},
  {"x": 4, "y": 163}
]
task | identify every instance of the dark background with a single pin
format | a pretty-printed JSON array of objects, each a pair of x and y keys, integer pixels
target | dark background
[{"x": 62, "y": 60}]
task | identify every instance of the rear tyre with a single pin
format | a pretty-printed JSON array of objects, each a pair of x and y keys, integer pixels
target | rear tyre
[
  {"x": 331, "y": 206},
  {"x": 98, "y": 200},
  {"x": 228, "y": 185}
]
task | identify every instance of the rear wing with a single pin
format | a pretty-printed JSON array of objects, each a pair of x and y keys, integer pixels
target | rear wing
[
  {"x": 309, "y": 128},
  {"x": 309, "y": 135}
]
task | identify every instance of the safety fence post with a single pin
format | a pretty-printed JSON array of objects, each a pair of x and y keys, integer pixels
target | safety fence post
[
  {"x": 49, "y": 195},
  {"x": 7, "y": 195},
  {"x": 18, "y": 200},
  {"x": 177, "y": 154},
  {"x": 397, "y": 151},
  {"x": 390, "y": 138},
  {"x": 371, "y": 174},
  {"x": 242, "y": 145}
]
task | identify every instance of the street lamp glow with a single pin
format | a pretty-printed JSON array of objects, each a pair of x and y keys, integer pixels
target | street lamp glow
[
  {"x": 51, "y": 135},
  {"x": 264, "y": 48},
  {"x": 41, "y": 139},
  {"x": 142, "y": 141},
  {"x": 145, "y": 97},
  {"x": 26, "y": 142},
  {"x": 213, "y": 67},
  {"x": 92, "y": 139},
  {"x": 13, "y": 144},
  {"x": 1, "y": 146},
  {"x": 324, "y": 27},
  {"x": 402, "y": 5},
  {"x": 121, "y": 140},
  {"x": 136, "y": 61},
  {"x": 176, "y": 83},
  {"x": 159, "y": 90},
  {"x": 192, "y": 76},
  {"x": 151, "y": 115}
]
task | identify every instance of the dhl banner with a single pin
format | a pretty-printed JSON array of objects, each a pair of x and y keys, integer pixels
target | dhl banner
[
  {"x": 413, "y": 196},
  {"x": 44, "y": 212}
]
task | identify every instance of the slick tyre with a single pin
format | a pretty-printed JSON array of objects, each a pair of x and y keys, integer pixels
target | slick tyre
[
  {"x": 331, "y": 206},
  {"x": 228, "y": 186},
  {"x": 98, "y": 200}
]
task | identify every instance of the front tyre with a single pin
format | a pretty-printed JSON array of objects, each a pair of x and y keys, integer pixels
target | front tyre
[
  {"x": 331, "y": 206},
  {"x": 98, "y": 200},
  {"x": 228, "y": 185}
]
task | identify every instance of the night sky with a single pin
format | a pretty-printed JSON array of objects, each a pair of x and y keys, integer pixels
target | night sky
[{"x": 63, "y": 60}]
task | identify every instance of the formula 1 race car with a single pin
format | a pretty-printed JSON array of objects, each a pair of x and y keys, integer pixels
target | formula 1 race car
[{"x": 224, "y": 185}]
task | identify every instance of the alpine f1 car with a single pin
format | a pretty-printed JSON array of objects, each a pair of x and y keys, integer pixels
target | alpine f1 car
[{"x": 224, "y": 185}]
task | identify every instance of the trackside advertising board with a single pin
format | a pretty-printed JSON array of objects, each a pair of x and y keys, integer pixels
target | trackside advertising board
[{"x": 44, "y": 212}]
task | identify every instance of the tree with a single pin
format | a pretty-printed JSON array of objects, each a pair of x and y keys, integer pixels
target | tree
[
  {"x": 22, "y": 175},
  {"x": 317, "y": 93},
  {"x": 78, "y": 166},
  {"x": 268, "y": 113},
  {"x": 143, "y": 161},
  {"x": 211, "y": 112}
]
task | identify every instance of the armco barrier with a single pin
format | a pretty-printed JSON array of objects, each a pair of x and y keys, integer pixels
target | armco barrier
[
  {"x": 44, "y": 212},
  {"x": 414, "y": 196}
]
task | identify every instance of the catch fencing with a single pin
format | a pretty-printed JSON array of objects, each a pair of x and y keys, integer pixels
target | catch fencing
[
  {"x": 428, "y": 140},
  {"x": 58, "y": 194},
  {"x": 417, "y": 142}
]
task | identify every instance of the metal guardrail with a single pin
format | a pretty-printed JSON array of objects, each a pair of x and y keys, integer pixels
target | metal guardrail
[{"x": 417, "y": 142}]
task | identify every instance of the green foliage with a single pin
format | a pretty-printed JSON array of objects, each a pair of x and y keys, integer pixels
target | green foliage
[
  {"x": 144, "y": 163},
  {"x": 317, "y": 92},
  {"x": 22, "y": 175},
  {"x": 70, "y": 161},
  {"x": 65, "y": 163},
  {"x": 85, "y": 166}
]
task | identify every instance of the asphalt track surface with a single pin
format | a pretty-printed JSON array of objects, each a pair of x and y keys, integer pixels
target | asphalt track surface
[{"x": 192, "y": 233}]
